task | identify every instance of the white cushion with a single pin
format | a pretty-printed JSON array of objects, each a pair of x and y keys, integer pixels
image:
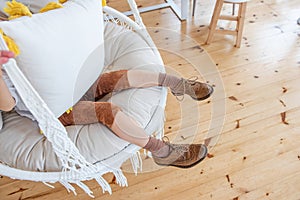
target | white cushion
[{"x": 62, "y": 51}]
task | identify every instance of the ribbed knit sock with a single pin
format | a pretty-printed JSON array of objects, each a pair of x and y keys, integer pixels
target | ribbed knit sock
[
  {"x": 157, "y": 147},
  {"x": 173, "y": 82}
]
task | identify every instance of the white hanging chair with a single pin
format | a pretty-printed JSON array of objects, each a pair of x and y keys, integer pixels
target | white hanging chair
[{"x": 93, "y": 149}]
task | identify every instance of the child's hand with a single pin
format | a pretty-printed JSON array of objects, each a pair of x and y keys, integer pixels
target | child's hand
[
  {"x": 4, "y": 56},
  {"x": 7, "y": 102}
]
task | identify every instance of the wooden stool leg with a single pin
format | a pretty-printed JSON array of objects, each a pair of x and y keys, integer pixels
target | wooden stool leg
[
  {"x": 214, "y": 20},
  {"x": 240, "y": 23}
]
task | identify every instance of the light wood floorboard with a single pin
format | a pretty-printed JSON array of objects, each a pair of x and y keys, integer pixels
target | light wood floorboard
[{"x": 257, "y": 155}]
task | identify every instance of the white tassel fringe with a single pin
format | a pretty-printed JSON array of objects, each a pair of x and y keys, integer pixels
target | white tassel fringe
[
  {"x": 120, "y": 178},
  {"x": 136, "y": 162}
]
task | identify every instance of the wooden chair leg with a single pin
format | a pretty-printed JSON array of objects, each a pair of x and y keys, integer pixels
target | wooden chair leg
[
  {"x": 214, "y": 20},
  {"x": 194, "y": 6},
  {"x": 240, "y": 23}
]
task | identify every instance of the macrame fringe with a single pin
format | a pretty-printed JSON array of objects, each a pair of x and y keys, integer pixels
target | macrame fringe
[
  {"x": 85, "y": 188},
  {"x": 136, "y": 162},
  {"x": 68, "y": 186},
  {"x": 72, "y": 176},
  {"x": 108, "y": 18},
  {"x": 147, "y": 153},
  {"x": 120, "y": 178},
  {"x": 47, "y": 184},
  {"x": 104, "y": 184}
]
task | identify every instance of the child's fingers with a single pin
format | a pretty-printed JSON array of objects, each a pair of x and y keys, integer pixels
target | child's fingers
[
  {"x": 3, "y": 60},
  {"x": 7, "y": 54}
]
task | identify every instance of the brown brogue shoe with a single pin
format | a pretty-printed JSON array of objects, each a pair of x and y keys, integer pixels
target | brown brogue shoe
[
  {"x": 195, "y": 89},
  {"x": 182, "y": 155}
]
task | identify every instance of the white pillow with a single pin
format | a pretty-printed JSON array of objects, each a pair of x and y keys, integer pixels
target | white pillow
[{"x": 62, "y": 51}]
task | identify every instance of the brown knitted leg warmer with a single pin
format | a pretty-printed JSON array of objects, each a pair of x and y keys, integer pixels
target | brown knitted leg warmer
[
  {"x": 88, "y": 112},
  {"x": 107, "y": 83}
]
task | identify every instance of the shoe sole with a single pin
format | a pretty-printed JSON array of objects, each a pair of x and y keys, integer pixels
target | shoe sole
[{"x": 187, "y": 166}]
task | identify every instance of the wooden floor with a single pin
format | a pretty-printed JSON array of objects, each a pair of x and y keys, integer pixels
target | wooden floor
[{"x": 257, "y": 155}]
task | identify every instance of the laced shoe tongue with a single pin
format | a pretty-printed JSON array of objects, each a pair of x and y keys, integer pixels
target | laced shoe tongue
[
  {"x": 180, "y": 149},
  {"x": 185, "y": 87}
]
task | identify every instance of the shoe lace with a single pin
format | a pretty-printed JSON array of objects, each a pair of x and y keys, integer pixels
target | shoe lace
[
  {"x": 190, "y": 80},
  {"x": 178, "y": 148},
  {"x": 166, "y": 140}
]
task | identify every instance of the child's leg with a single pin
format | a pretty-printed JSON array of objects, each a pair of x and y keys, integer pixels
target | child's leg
[
  {"x": 123, "y": 79},
  {"x": 87, "y": 112},
  {"x": 179, "y": 86},
  {"x": 164, "y": 153}
]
